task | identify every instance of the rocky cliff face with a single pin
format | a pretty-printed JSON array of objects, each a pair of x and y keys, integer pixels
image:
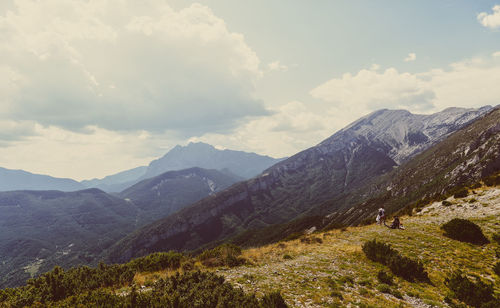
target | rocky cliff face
[{"x": 343, "y": 163}]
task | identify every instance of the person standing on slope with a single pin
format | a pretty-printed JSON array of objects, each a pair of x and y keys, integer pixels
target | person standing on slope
[{"x": 381, "y": 216}]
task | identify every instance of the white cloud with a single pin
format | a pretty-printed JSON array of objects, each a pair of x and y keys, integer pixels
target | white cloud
[
  {"x": 370, "y": 90},
  {"x": 496, "y": 54},
  {"x": 277, "y": 66},
  {"x": 96, "y": 153},
  {"x": 291, "y": 127},
  {"x": 411, "y": 57},
  {"x": 125, "y": 65},
  {"x": 491, "y": 21},
  {"x": 469, "y": 83}
]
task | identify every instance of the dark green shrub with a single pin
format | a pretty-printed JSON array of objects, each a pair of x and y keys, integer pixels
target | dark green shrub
[
  {"x": 385, "y": 277},
  {"x": 402, "y": 266},
  {"x": 465, "y": 231},
  {"x": 273, "y": 300},
  {"x": 397, "y": 294},
  {"x": 193, "y": 289},
  {"x": 188, "y": 266},
  {"x": 223, "y": 255},
  {"x": 408, "y": 268},
  {"x": 384, "y": 288},
  {"x": 293, "y": 236},
  {"x": 461, "y": 193},
  {"x": 472, "y": 292},
  {"x": 377, "y": 251},
  {"x": 157, "y": 261}
]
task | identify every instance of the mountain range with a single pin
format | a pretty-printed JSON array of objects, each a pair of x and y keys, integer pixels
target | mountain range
[
  {"x": 40, "y": 229},
  {"x": 337, "y": 168},
  {"x": 389, "y": 157}
]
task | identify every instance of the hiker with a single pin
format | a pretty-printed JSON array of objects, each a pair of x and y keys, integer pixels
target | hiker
[
  {"x": 396, "y": 224},
  {"x": 381, "y": 216}
]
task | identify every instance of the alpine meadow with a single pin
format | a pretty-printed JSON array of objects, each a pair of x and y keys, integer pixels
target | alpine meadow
[{"x": 229, "y": 153}]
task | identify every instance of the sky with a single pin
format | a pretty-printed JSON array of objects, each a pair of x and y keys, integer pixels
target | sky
[{"x": 90, "y": 88}]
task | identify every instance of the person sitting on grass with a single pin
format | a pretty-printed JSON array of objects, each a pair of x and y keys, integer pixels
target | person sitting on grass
[{"x": 396, "y": 224}]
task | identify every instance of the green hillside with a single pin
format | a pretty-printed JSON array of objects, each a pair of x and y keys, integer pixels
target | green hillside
[{"x": 330, "y": 268}]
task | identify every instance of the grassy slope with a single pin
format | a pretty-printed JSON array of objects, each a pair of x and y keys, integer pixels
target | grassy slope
[{"x": 304, "y": 279}]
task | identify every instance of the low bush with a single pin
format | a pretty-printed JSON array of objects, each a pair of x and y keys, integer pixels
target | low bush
[
  {"x": 465, "y": 231},
  {"x": 273, "y": 300},
  {"x": 157, "y": 261},
  {"x": 472, "y": 292},
  {"x": 384, "y": 288},
  {"x": 408, "y": 268},
  {"x": 397, "y": 294},
  {"x": 402, "y": 266},
  {"x": 193, "y": 289},
  {"x": 59, "y": 284},
  {"x": 385, "y": 277},
  {"x": 377, "y": 251},
  {"x": 188, "y": 266},
  {"x": 223, "y": 255},
  {"x": 293, "y": 236}
]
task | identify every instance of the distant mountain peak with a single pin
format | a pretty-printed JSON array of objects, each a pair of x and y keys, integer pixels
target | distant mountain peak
[{"x": 203, "y": 155}]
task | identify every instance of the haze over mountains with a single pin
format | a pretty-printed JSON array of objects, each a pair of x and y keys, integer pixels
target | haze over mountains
[
  {"x": 239, "y": 163},
  {"x": 19, "y": 179},
  {"x": 40, "y": 229}
]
